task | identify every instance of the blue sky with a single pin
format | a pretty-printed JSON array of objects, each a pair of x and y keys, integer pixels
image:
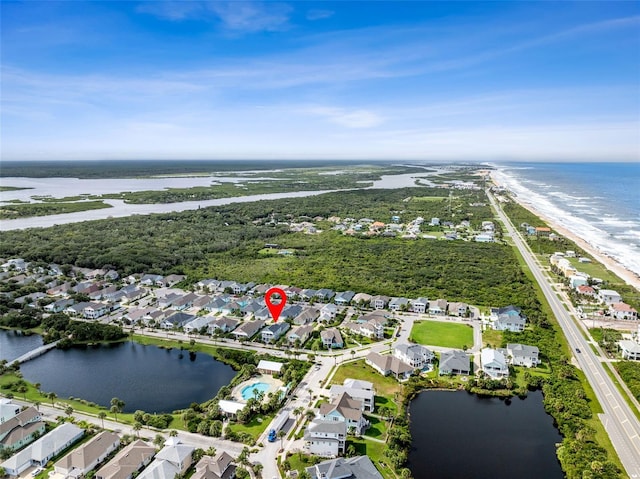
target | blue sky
[{"x": 353, "y": 80}]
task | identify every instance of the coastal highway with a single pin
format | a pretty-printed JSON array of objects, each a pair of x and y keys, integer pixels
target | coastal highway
[{"x": 618, "y": 419}]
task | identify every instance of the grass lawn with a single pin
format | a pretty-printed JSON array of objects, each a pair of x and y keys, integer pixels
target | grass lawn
[
  {"x": 492, "y": 337},
  {"x": 254, "y": 427},
  {"x": 448, "y": 335},
  {"x": 384, "y": 386},
  {"x": 375, "y": 452},
  {"x": 382, "y": 401},
  {"x": 378, "y": 428}
]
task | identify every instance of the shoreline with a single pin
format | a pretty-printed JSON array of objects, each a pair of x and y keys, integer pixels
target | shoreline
[{"x": 625, "y": 274}]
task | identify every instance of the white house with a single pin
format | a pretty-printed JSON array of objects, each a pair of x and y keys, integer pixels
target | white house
[
  {"x": 269, "y": 367},
  {"x": 173, "y": 459},
  {"x": 454, "y": 362},
  {"x": 521, "y": 355},
  {"x": 346, "y": 409},
  {"x": 419, "y": 305},
  {"x": 609, "y": 296},
  {"x": 360, "y": 390},
  {"x": 630, "y": 349},
  {"x": 493, "y": 363},
  {"x": 623, "y": 311},
  {"x": 415, "y": 355},
  {"x": 325, "y": 437}
]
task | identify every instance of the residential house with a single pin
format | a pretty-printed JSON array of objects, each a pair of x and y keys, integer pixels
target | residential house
[
  {"x": 345, "y": 409},
  {"x": 493, "y": 363},
  {"x": 307, "y": 316},
  {"x": 344, "y": 298},
  {"x": 307, "y": 294},
  {"x": 359, "y": 467},
  {"x": 60, "y": 290},
  {"x": 218, "y": 467},
  {"x": 8, "y": 409},
  {"x": 21, "y": 429},
  {"x": 95, "y": 310},
  {"x": 184, "y": 302},
  {"x": 208, "y": 285},
  {"x": 196, "y": 324},
  {"x": 42, "y": 450},
  {"x": 223, "y": 325},
  {"x": 458, "y": 309},
  {"x": 389, "y": 365},
  {"x": 58, "y": 306},
  {"x": 300, "y": 334},
  {"x": 360, "y": 390},
  {"x": 509, "y": 318},
  {"x": 438, "y": 307},
  {"x": 415, "y": 355},
  {"x": 398, "y": 304},
  {"x": 173, "y": 459},
  {"x": 170, "y": 280},
  {"x": 629, "y": 349},
  {"x": 325, "y": 295},
  {"x": 217, "y": 304},
  {"x": 586, "y": 291},
  {"x": 290, "y": 311},
  {"x": 77, "y": 309},
  {"x": 127, "y": 462},
  {"x": 273, "y": 332},
  {"x": 419, "y": 305},
  {"x": 454, "y": 362},
  {"x": 176, "y": 320},
  {"x": 201, "y": 301},
  {"x": 168, "y": 300},
  {"x": 248, "y": 329},
  {"x": 325, "y": 437},
  {"x": 521, "y": 355},
  {"x": 328, "y": 313},
  {"x": 368, "y": 329},
  {"x": 151, "y": 279},
  {"x": 379, "y": 302},
  {"x": 230, "y": 408},
  {"x": 623, "y": 311},
  {"x": 609, "y": 296},
  {"x": 85, "y": 458},
  {"x": 269, "y": 367},
  {"x": 362, "y": 298},
  {"x": 331, "y": 338}
]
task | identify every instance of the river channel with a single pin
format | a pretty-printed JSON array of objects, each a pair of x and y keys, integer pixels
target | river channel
[
  {"x": 144, "y": 377},
  {"x": 460, "y": 435}
]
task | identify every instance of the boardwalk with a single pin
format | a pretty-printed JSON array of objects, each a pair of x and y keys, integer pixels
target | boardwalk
[{"x": 34, "y": 353}]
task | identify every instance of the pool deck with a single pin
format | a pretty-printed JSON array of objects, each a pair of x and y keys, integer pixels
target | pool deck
[{"x": 274, "y": 385}]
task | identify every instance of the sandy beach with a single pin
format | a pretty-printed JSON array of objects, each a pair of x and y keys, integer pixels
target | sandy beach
[{"x": 611, "y": 264}]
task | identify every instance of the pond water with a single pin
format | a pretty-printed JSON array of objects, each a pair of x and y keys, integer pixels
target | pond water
[
  {"x": 456, "y": 434},
  {"x": 144, "y": 377},
  {"x": 14, "y": 344}
]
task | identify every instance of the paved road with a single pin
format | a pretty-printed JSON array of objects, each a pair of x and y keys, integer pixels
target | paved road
[{"x": 619, "y": 420}]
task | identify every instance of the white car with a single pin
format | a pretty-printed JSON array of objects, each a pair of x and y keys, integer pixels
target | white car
[{"x": 36, "y": 472}]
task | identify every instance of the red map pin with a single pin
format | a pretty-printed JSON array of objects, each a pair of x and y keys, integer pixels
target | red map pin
[{"x": 275, "y": 309}]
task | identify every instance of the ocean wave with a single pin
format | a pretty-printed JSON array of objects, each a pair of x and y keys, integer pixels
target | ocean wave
[{"x": 597, "y": 233}]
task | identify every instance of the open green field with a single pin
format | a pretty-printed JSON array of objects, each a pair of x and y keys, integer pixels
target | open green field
[
  {"x": 428, "y": 198},
  {"x": 255, "y": 427},
  {"x": 448, "y": 335},
  {"x": 385, "y": 386},
  {"x": 492, "y": 337}
]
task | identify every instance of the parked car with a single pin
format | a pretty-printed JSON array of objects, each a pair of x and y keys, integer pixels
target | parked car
[{"x": 272, "y": 436}]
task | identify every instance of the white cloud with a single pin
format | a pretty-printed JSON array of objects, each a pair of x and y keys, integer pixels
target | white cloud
[
  {"x": 173, "y": 10},
  {"x": 317, "y": 14},
  {"x": 245, "y": 16},
  {"x": 348, "y": 118}
]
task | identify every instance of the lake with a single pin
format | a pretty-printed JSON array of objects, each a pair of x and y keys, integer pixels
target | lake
[
  {"x": 144, "y": 377},
  {"x": 456, "y": 434},
  {"x": 14, "y": 344}
]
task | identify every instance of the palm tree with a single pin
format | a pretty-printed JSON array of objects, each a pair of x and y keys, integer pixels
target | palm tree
[
  {"x": 173, "y": 433},
  {"x": 23, "y": 390},
  {"x": 298, "y": 411},
  {"x": 281, "y": 435},
  {"x": 136, "y": 427},
  {"x": 257, "y": 469},
  {"x": 158, "y": 441},
  {"x": 52, "y": 396},
  {"x": 37, "y": 405},
  {"x": 114, "y": 411},
  {"x": 117, "y": 405},
  {"x": 310, "y": 414},
  {"x": 68, "y": 411},
  {"x": 37, "y": 386},
  {"x": 102, "y": 415}
]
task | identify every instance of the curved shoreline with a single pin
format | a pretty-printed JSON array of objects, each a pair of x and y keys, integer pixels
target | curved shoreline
[{"x": 628, "y": 276}]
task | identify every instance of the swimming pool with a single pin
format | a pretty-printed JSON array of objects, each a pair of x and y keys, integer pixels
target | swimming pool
[{"x": 247, "y": 391}]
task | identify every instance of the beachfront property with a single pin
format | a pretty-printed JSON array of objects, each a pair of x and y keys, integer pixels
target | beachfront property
[
  {"x": 493, "y": 363},
  {"x": 129, "y": 460},
  {"x": 609, "y": 296},
  {"x": 454, "y": 362},
  {"x": 623, "y": 311},
  {"x": 19, "y": 428},
  {"x": 359, "y": 467},
  {"x": 83, "y": 459},
  {"x": 41, "y": 451}
]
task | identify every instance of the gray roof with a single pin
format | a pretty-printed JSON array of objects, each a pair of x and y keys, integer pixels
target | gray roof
[
  {"x": 522, "y": 350},
  {"x": 413, "y": 351},
  {"x": 359, "y": 467},
  {"x": 454, "y": 360}
]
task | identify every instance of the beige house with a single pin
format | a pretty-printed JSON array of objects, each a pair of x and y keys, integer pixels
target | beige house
[
  {"x": 218, "y": 467},
  {"x": 128, "y": 461},
  {"x": 83, "y": 459}
]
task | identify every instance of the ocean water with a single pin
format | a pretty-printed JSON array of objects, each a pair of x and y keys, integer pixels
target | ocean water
[{"x": 599, "y": 202}]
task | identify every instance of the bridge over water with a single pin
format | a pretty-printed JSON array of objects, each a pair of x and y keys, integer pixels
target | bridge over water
[{"x": 34, "y": 353}]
